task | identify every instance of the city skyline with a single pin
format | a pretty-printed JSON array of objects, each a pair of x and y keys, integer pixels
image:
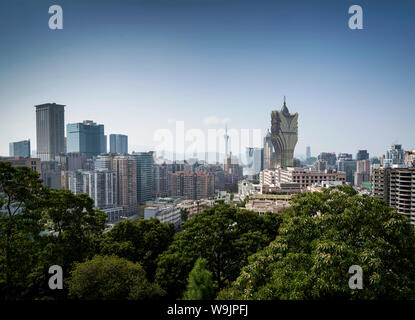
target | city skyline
[{"x": 222, "y": 64}]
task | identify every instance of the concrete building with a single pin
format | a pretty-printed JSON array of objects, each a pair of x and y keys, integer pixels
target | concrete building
[
  {"x": 394, "y": 156},
  {"x": 397, "y": 187},
  {"x": 193, "y": 185},
  {"x": 330, "y": 159},
  {"x": 308, "y": 152},
  {"x": 410, "y": 159},
  {"x": 276, "y": 178},
  {"x": 50, "y": 130},
  {"x": 362, "y": 174},
  {"x": 348, "y": 166},
  {"x": 72, "y": 161},
  {"x": 269, "y": 153},
  {"x": 19, "y": 149},
  {"x": 284, "y": 136},
  {"x": 162, "y": 179},
  {"x": 247, "y": 188},
  {"x": 118, "y": 143},
  {"x": 165, "y": 213},
  {"x": 321, "y": 165},
  {"x": 144, "y": 175},
  {"x": 254, "y": 162},
  {"x": 51, "y": 174},
  {"x": 126, "y": 169},
  {"x": 362, "y": 155},
  {"x": 233, "y": 171},
  {"x": 87, "y": 138},
  {"x": 32, "y": 163}
]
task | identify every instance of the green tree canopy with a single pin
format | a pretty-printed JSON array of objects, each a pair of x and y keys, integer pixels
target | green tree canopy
[
  {"x": 200, "y": 284},
  {"x": 139, "y": 241},
  {"x": 324, "y": 234},
  {"x": 111, "y": 278},
  {"x": 222, "y": 235},
  {"x": 22, "y": 199}
]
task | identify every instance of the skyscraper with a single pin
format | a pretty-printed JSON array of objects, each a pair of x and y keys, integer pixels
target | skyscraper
[
  {"x": 19, "y": 149},
  {"x": 395, "y": 156},
  {"x": 87, "y": 138},
  {"x": 269, "y": 152},
  {"x": 144, "y": 172},
  {"x": 50, "y": 130},
  {"x": 126, "y": 167},
  {"x": 362, "y": 155},
  {"x": 284, "y": 135},
  {"x": 118, "y": 143},
  {"x": 254, "y": 161},
  {"x": 308, "y": 153}
]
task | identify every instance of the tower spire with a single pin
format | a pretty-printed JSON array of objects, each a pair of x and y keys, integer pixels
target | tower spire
[{"x": 284, "y": 100}]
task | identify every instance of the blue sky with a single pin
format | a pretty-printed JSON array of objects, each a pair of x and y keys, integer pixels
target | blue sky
[{"x": 136, "y": 66}]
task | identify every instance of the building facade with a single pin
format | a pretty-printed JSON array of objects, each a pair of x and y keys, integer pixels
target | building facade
[
  {"x": 50, "y": 130},
  {"x": 87, "y": 137},
  {"x": 126, "y": 169},
  {"x": 118, "y": 143},
  {"x": 284, "y": 136},
  {"x": 397, "y": 187},
  {"x": 19, "y": 149},
  {"x": 144, "y": 176}
]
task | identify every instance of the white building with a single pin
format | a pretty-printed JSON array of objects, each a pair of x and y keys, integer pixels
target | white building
[{"x": 165, "y": 213}]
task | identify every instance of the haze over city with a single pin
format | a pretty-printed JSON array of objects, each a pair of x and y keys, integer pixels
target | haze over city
[{"x": 210, "y": 63}]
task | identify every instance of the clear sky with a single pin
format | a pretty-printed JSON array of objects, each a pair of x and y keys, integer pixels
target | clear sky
[{"x": 138, "y": 66}]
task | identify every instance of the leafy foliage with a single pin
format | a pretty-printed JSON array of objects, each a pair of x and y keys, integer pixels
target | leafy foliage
[
  {"x": 200, "y": 284},
  {"x": 322, "y": 236},
  {"x": 111, "y": 278},
  {"x": 139, "y": 241},
  {"x": 222, "y": 235}
]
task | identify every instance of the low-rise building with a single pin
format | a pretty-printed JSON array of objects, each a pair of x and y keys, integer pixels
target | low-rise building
[{"x": 165, "y": 213}]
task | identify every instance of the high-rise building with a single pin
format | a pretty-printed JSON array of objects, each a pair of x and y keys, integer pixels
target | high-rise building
[
  {"x": 269, "y": 152},
  {"x": 362, "y": 155},
  {"x": 101, "y": 186},
  {"x": 144, "y": 172},
  {"x": 321, "y": 165},
  {"x": 72, "y": 161},
  {"x": 410, "y": 159},
  {"x": 51, "y": 174},
  {"x": 233, "y": 171},
  {"x": 162, "y": 179},
  {"x": 395, "y": 156},
  {"x": 362, "y": 173},
  {"x": 19, "y": 149},
  {"x": 50, "y": 130},
  {"x": 118, "y": 143},
  {"x": 193, "y": 185},
  {"x": 284, "y": 135},
  {"x": 308, "y": 152},
  {"x": 87, "y": 138},
  {"x": 254, "y": 161},
  {"x": 348, "y": 166},
  {"x": 330, "y": 158},
  {"x": 397, "y": 187},
  {"x": 347, "y": 156},
  {"x": 126, "y": 169}
]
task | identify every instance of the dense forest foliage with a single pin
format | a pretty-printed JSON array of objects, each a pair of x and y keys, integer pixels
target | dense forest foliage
[{"x": 223, "y": 252}]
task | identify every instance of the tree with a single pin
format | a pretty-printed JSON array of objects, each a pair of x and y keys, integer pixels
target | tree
[
  {"x": 222, "y": 235},
  {"x": 139, "y": 241},
  {"x": 111, "y": 278},
  {"x": 184, "y": 214},
  {"x": 200, "y": 284},
  {"x": 322, "y": 236},
  {"x": 22, "y": 198}
]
